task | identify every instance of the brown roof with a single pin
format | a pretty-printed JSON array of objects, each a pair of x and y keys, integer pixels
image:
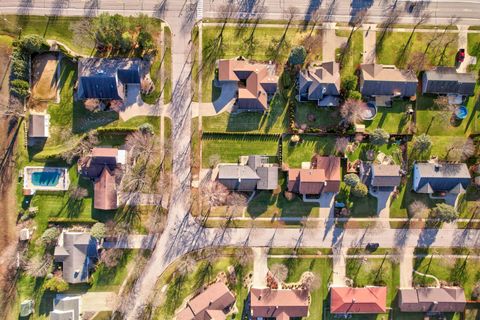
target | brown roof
[
  {"x": 333, "y": 171},
  {"x": 306, "y": 181},
  {"x": 384, "y": 175},
  {"x": 446, "y": 299},
  {"x": 38, "y": 125},
  {"x": 209, "y": 304},
  {"x": 104, "y": 152},
  {"x": 258, "y": 81},
  {"x": 105, "y": 191},
  {"x": 281, "y": 304},
  {"x": 358, "y": 300}
]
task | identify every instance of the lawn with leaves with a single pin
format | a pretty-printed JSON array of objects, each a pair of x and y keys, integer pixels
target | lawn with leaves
[
  {"x": 321, "y": 267},
  {"x": 230, "y": 147}
]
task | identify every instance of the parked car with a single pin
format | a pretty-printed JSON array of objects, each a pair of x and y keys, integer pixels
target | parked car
[
  {"x": 460, "y": 55},
  {"x": 372, "y": 246}
]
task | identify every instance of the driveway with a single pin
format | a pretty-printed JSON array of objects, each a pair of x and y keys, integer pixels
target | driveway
[
  {"x": 369, "y": 43},
  {"x": 383, "y": 205},
  {"x": 330, "y": 42},
  {"x": 260, "y": 267},
  {"x": 406, "y": 268},
  {"x": 327, "y": 202},
  {"x": 97, "y": 301},
  {"x": 463, "y": 44},
  {"x": 224, "y": 103},
  {"x": 339, "y": 265}
]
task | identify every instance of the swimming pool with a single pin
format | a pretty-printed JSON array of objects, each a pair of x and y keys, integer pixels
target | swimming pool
[{"x": 46, "y": 178}]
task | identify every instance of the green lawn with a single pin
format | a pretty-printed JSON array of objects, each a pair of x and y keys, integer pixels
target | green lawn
[
  {"x": 463, "y": 272},
  {"x": 205, "y": 271},
  {"x": 261, "y": 44},
  {"x": 394, "y": 120},
  {"x": 474, "y": 47},
  {"x": 440, "y": 123},
  {"x": 294, "y": 155},
  {"x": 321, "y": 267},
  {"x": 469, "y": 203},
  {"x": 309, "y": 114},
  {"x": 391, "y": 149},
  {"x": 274, "y": 204},
  {"x": 230, "y": 148},
  {"x": 375, "y": 271},
  {"x": 394, "y": 49},
  {"x": 110, "y": 279},
  {"x": 359, "y": 207},
  {"x": 353, "y": 57},
  {"x": 440, "y": 146},
  {"x": 274, "y": 121}
]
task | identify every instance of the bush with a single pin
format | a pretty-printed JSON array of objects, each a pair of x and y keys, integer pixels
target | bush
[
  {"x": 92, "y": 105},
  {"x": 32, "y": 43},
  {"x": 20, "y": 88},
  {"x": 445, "y": 212},
  {"x": 354, "y": 95},
  {"x": 351, "y": 179},
  {"x": 56, "y": 284},
  {"x": 49, "y": 236},
  {"x": 348, "y": 84},
  {"x": 297, "y": 55},
  {"x": 146, "y": 127},
  {"x": 359, "y": 190},
  {"x": 379, "y": 137},
  {"x": 98, "y": 231}
]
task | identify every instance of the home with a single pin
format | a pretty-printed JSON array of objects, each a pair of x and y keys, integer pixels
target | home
[
  {"x": 76, "y": 251},
  {"x": 252, "y": 173},
  {"x": 385, "y": 176},
  {"x": 280, "y": 304},
  {"x": 324, "y": 175},
  {"x": 452, "y": 178},
  {"x": 38, "y": 125},
  {"x": 214, "y": 303},
  {"x": 320, "y": 83},
  {"x": 367, "y": 300},
  {"x": 101, "y": 167},
  {"x": 256, "y": 82},
  {"x": 445, "y": 299},
  {"x": 65, "y": 307},
  {"x": 386, "y": 81},
  {"x": 108, "y": 79},
  {"x": 447, "y": 81}
]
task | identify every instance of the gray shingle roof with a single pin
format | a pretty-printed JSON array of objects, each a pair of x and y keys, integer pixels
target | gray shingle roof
[
  {"x": 446, "y": 80},
  {"x": 317, "y": 82},
  {"x": 383, "y": 80},
  {"x": 446, "y": 299},
  {"x": 385, "y": 175},
  {"x": 268, "y": 178},
  {"x": 80, "y": 248},
  {"x": 66, "y": 307},
  {"x": 443, "y": 177}
]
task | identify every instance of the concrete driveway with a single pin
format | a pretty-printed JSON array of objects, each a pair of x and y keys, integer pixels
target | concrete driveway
[
  {"x": 97, "y": 301},
  {"x": 260, "y": 267}
]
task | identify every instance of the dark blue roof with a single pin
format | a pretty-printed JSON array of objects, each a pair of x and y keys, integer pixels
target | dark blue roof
[
  {"x": 129, "y": 75},
  {"x": 98, "y": 87}
]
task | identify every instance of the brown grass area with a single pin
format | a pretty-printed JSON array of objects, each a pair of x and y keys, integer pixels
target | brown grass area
[
  {"x": 5, "y": 52},
  {"x": 44, "y": 77}
]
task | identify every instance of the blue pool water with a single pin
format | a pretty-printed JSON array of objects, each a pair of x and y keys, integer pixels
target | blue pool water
[{"x": 45, "y": 178}]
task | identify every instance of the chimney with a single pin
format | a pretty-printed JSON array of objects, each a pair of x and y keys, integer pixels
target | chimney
[
  {"x": 353, "y": 300},
  {"x": 437, "y": 166}
]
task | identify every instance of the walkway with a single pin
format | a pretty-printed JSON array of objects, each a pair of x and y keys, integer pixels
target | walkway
[{"x": 260, "y": 267}]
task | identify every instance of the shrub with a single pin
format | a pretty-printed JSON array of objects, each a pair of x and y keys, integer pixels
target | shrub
[
  {"x": 354, "y": 95},
  {"x": 297, "y": 55},
  {"x": 146, "y": 127},
  {"x": 348, "y": 84},
  {"x": 445, "y": 212},
  {"x": 422, "y": 143},
  {"x": 56, "y": 284},
  {"x": 20, "y": 88},
  {"x": 379, "y": 137},
  {"x": 359, "y": 190},
  {"x": 92, "y": 105},
  {"x": 98, "y": 231},
  {"x": 351, "y": 179},
  {"x": 49, "y": 236},
  {"x": 32, "y": 43}
]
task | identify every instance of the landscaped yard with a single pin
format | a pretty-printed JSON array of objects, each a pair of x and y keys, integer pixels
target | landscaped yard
[
  {"x": 394, "y": 119},
  {"x": 394, "y": 50},
  {"x": 391, "y": 149},
  {"x": 274, "y": 204},
  {"x": 44, "y": 77},
  {"x": 359, "y": 206},
  {"x": 321, "y": 267},
  {"x": 462, "y": 271},
  {"x": 230, "y": 147},
  {"x": 294, "y": 154},
  {"x": 274, "y": 121},
  {"x": 309, "y": 114},
  {"x": 375, "y": 271},
  {"x": 261, "y": 44},
  {"x": 440, "y": 147}
]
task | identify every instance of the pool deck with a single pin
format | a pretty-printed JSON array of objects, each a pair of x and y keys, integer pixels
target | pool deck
[{"x": 29, "y": 188}]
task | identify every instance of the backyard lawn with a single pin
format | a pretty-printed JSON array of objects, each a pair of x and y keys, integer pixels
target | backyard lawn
[
  {"x": 321, "y": 267},
  {"x": 461, "y": 271},
  {"x": 294, "y": 155},
  {"x": 391, "y": 149},
  {"x": 308, "y": 113},
  {"x": 229, "y": 148},
  {"x": 394, "y": 119},
  {"x": 394, "y": 50},
  {"x": 440, "y": 146},
  {"x": 274, "y": 121},
  {"x": 178, "y": 286},
  {"x": 274, "y": 204}
]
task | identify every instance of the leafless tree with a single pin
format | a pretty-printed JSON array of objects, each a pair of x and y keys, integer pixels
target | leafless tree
[
  {"x": 83, "y": 147},
  {"x": 468, "y": 150},
  {"x": 313, "y": 42},
  {"x": 316, "y": 18},
  {"x": 236, "y": 202},
  {"x": 213, "y": 194},
  {"x": 279, "y": 271},
  {"x": 456, "y": 151},
  {"x": 187, "y": 265},
  {"x": 417, "y": 209},
  {"x": 309, "y": 281},
  {"x": 147, "y": 85},
  {"x": 111, "y": 257},
  {"x": 92, "y": 105},
  {"x": 341, "y": 144},
  {"x": 141, "y": 144},
  {"x": 350, "y": 111},
  {"x": 418, "y": 61},
  {"x": 39, "y": 265},
  {"x": 356, "y": 22},
  {"x": 77, "y": 193},
  {"x": 290, "y": 13},
  {"x": 157, "y": 221},
  {"x": 214, "y": 160},
  {"x": 243, "y": 255}
]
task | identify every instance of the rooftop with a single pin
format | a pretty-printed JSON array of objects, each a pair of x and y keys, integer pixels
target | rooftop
[
  {"x": 288, "y": 303},
  {"x": 358, "y": 300}
]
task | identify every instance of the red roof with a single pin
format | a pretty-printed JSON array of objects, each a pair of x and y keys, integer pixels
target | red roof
[
  {"x": 105, "y": 191},
  {"x": 358, "y": 300}
]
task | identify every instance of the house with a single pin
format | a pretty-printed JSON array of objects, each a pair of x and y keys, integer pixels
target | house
[
  {"x": 253, "y": 173},
  {"x": 385, "y": 176},
  {"x": 440, "y": 177},
  {"x": 386, "y": 81},
  {"x": 446, "y": 80},
  {"x": 321, "y": 84},
  {"x": 38, "y": 125},
  {"x": 101, "y": 167},
  {"x": 367, "y": 300},
  {"x": 65, "y": 307},
  {"x": 214, "y": 303},
  {"x": 280, "y": 304},
  {"x": 323, "y": 176},
  {"x": 76, "y": 251},
  {"x": 108, "y": 79},
  {"x": 445, "y": 299},
  {"x": 256, "y": 82}
]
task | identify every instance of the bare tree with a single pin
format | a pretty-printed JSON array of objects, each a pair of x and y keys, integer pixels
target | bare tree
[
  {"x": 92, "y": 105},
  {"x": 309, "y": 281},
  {"x": 213, "y": 194},
  {"x": 279, "y": 271},
  {"x": 243, "y": 255},
  {"x": 83, "y": 147},
  {"x": 456, "y": 151},
  {"x": 468, "y": 150},
  {"x": 236, "y": 202},
  {"x": 186, "y": 265},
  {"x": 141, "y": 144},
  {"x": 290, "y": 13},
  {"x": 350, "y": 111},
  {"x": 341, "y": 144},
  {"x": 418, "y": 61},
  {"x": 417, "y": 209},
  {"x": 111, "y": 257},
  {"x": 39, "y": 265},
  {"x": 77, "y": 192}
]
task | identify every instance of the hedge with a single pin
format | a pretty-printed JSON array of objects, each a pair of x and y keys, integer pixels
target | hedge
[{"x": 65, "y": 221}]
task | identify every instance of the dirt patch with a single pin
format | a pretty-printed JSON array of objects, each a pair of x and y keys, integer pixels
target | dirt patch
[
  {"x": 44, "y": 77},
  {"x": 5, "y": 52}
]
